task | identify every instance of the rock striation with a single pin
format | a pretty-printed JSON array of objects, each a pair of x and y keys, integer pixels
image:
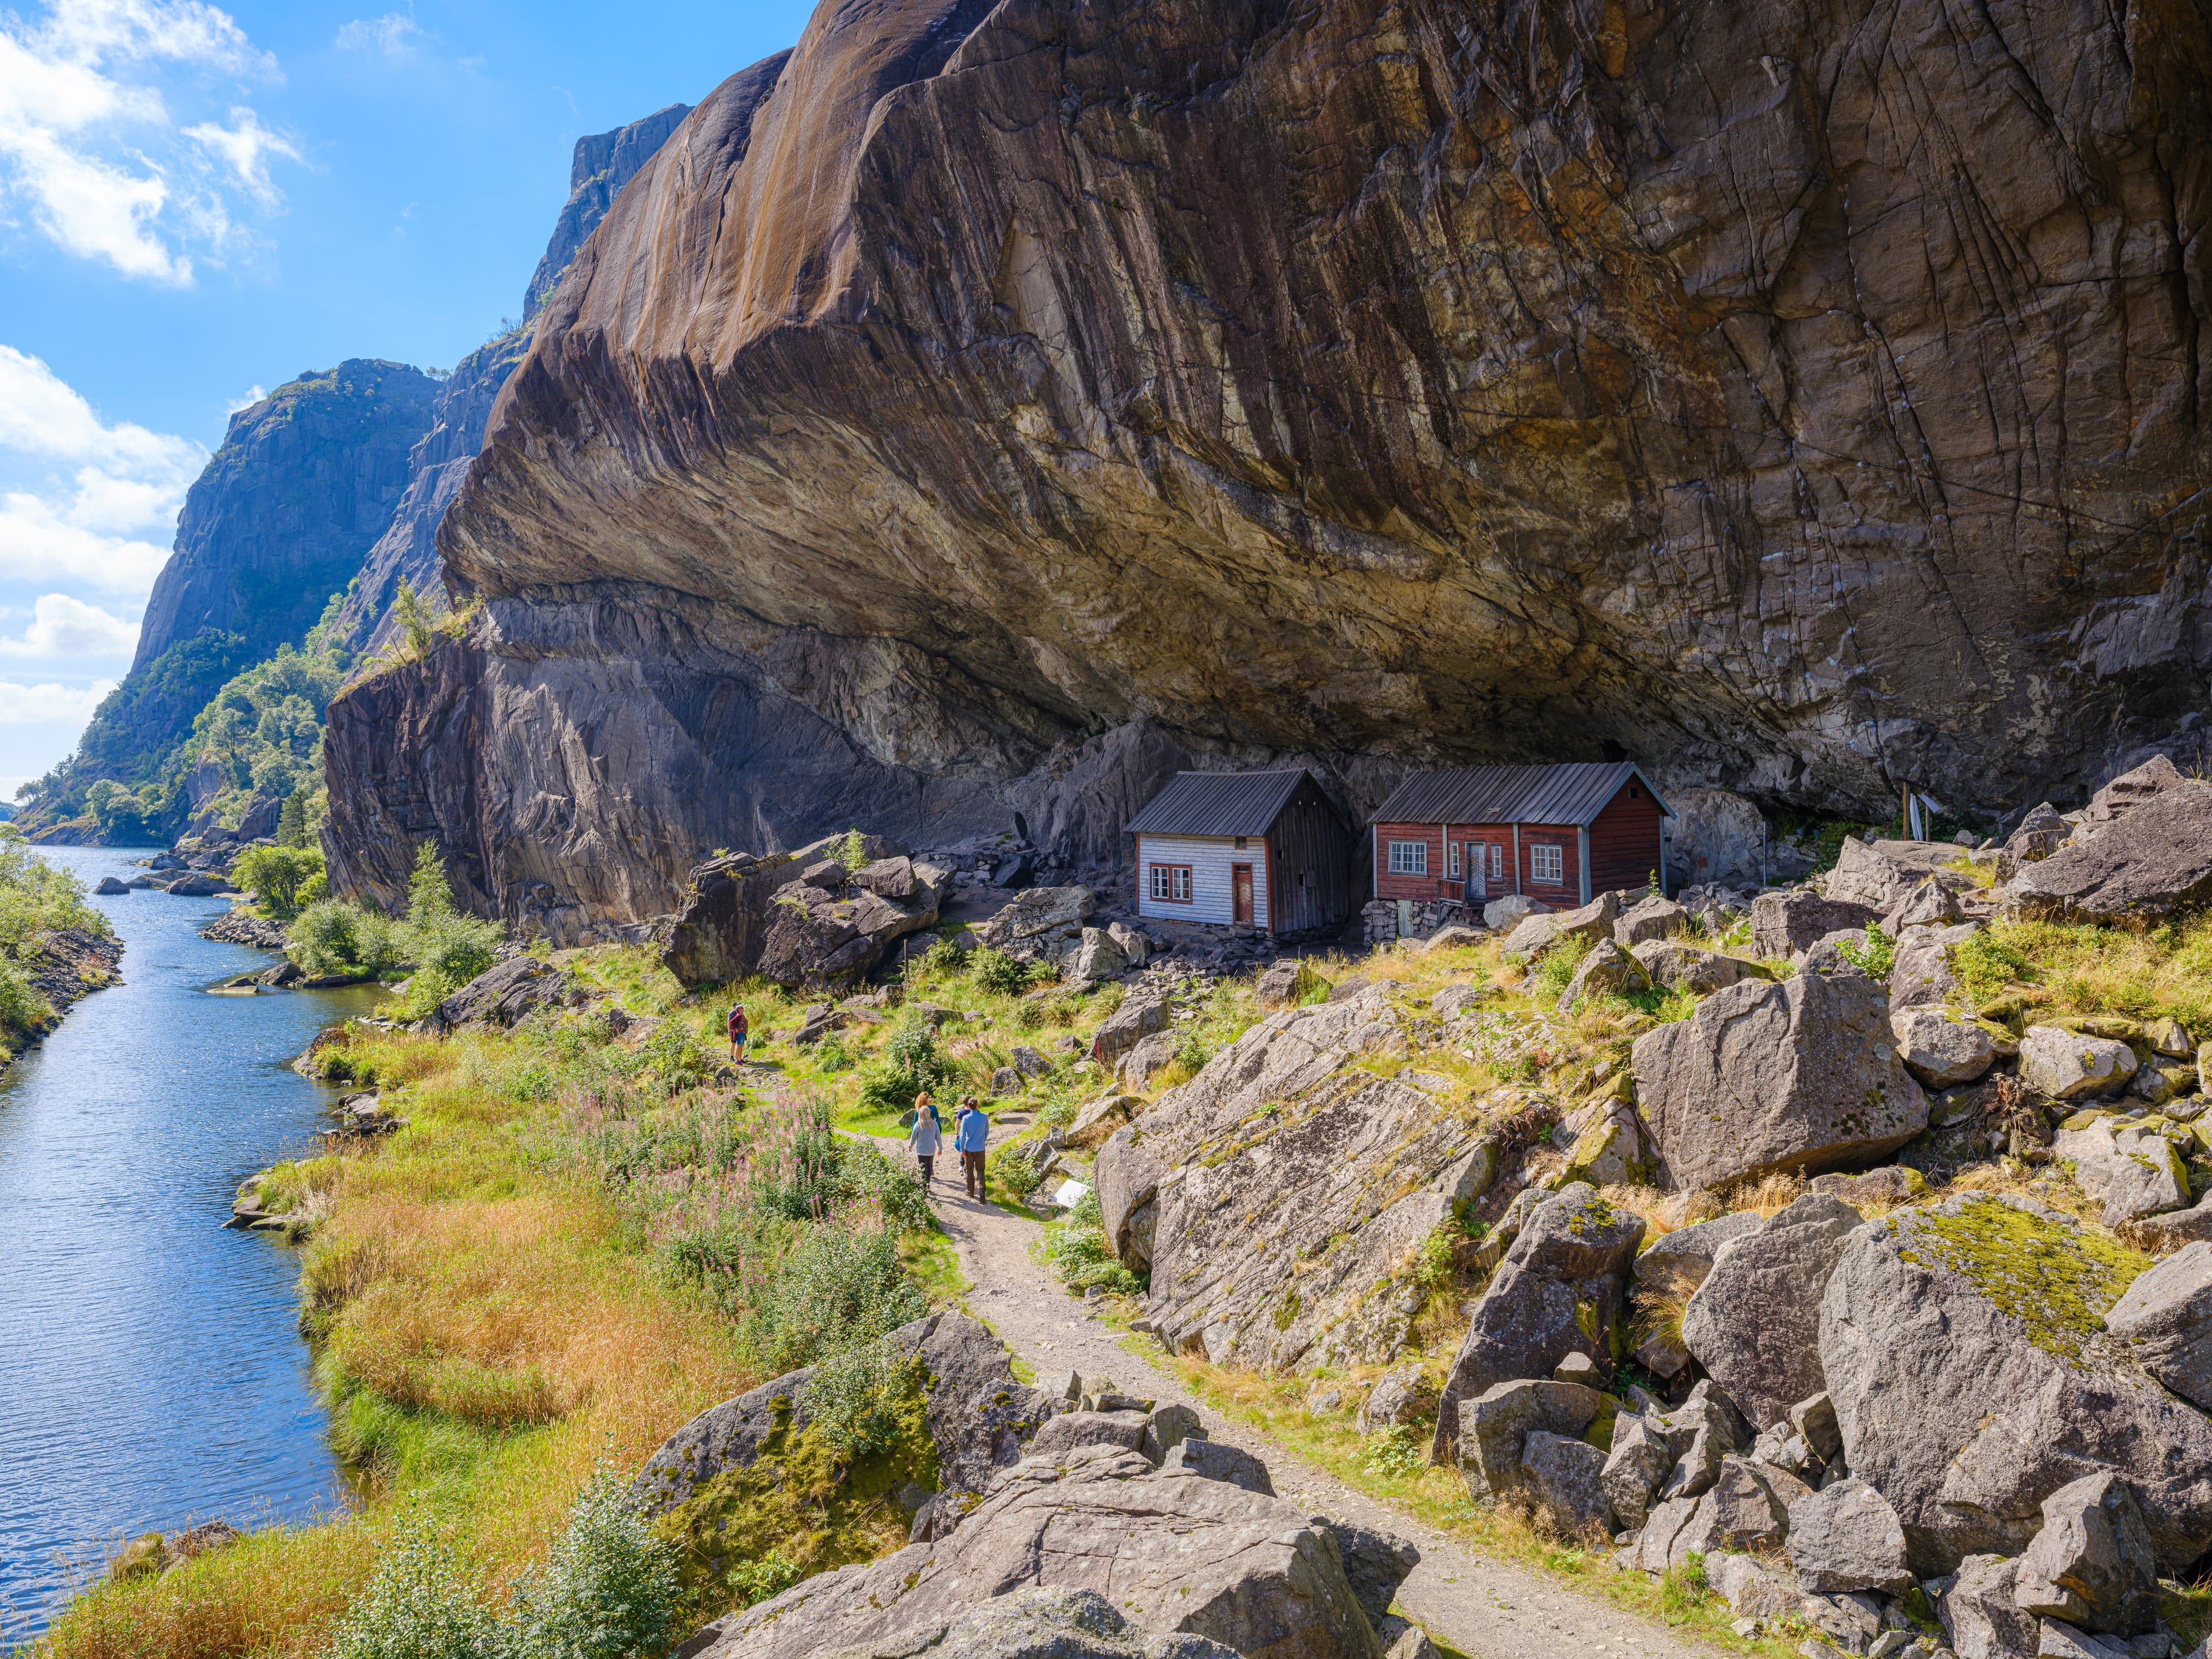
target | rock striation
[{"x": 1009, "y": 396}]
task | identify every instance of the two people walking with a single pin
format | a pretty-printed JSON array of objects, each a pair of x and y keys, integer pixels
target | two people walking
[{"x": 971, "y": 1133}]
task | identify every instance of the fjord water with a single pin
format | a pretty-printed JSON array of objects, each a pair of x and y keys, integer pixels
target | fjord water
[{"x": 151, "y": 1370}]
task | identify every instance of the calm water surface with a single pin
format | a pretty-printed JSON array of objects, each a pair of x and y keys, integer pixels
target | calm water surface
[{"x": 151, "y": 1373}]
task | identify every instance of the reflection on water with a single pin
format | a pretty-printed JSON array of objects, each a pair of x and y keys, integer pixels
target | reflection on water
[{"x": 151, "y": 1373}]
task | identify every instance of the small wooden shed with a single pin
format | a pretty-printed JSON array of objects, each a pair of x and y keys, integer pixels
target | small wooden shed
[
  {"x": 1244, "y": 849},
  {"x": 1557, "y": 833}
]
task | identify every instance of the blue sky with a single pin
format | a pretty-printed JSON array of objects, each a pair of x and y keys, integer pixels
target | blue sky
[{"x": 198, "y": 204}]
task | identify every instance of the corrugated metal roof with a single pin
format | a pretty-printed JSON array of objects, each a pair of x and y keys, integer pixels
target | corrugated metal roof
[
  {"x": 1572, "y": 792},
  {"x": 1216, "y": 804}
]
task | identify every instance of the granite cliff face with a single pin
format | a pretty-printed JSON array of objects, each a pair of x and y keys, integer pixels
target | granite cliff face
[
  {"x": 603, "y": 162},
  {"x": 991, "y": 402},
  {"x": 304, "y": 483}
]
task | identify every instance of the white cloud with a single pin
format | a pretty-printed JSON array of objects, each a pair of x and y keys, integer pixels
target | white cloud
[
  {"x": 246, "y": 146},
  {"x": 83, "y": 502},
  {"x": 37, "y": 705},
  {"x": 390, "y": 34},
  {"x": 252, "y": 395},
  {"x": 64, "y": 627},
  {"x": 87, "y": 141}
]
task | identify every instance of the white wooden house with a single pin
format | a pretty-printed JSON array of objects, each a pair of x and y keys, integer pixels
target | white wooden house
[{"x": 1267, "y": 850}]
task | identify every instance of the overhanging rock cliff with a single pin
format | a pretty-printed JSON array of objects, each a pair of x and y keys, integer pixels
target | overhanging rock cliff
[{"x": 1803, "y": 397}]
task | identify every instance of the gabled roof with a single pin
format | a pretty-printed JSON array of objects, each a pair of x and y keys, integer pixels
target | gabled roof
[
  {"x": 1573, "y": 792},
  {"x": 1217, "y": 804}
]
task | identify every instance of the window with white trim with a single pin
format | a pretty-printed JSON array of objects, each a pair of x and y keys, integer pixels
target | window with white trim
[
  {"x": 1409, "y": 858},
  {"x": 1452, "y": 859},
  {"x": 1547, "y": 864},
  {"x": 1170, "y": 882},
  {"x": 1497, "y": 862}
]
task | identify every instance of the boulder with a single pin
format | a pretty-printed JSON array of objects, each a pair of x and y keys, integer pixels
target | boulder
[
  {"x": 1961, "y": 1346},
  {"x": 1152, "y": 1056},
  {"x": 1401, "y": 1395},
  {"x": 503, "y": 995},
  {"x": 2040, "y": 834},
  {"x": 112, "y": 887},
  {"x": 1648, "y": 920},
  {"x": 2151, "y": 862},
  {"x": 1704, "y": 1430},
  {"x": 1536, "y": 933},
  {"x": 1134, "y": 945},
  {"x": 1292, "y": 1190},
  {"x": 1136, "y": 1019},
  {"x": 1750, "y": 1586},
  {"x": 2175, "y": 1228},
  {"x": 1491, "y": 1430},
  {"x": 1286, "y": 983},
  {"x": 1880, "y": 874},
  {"x": 2063, "y": 1064},
  {"x": 1754, "y": 1323},
  {"x": 1179, "y": 1553},
  {"x": 2168, "y": 1038},
  {"x": 1029, "y": 1062},
  {"x": 1376, "y": 1563},
  {"x": 1511, "y": 911},
  {"x": 1639, "y": 1460},
  {"x": 1034, "y": 925},
  {"x": 1093, "y": 957},
  {"x": 1892, "y": 1185},
  {"x": 1980, "y": 1618},
  {"x": 1217, "y": 1460},
  {"x": 1607, "y": 971},
  {"x": 1560, "y": 1478},
  {"x": 729, "y": 913},
  {"x": 1559, "y": 1290},
  {"x": 1746, "y": 1512},
  {"x": 1921, "y": 976},
  {"x": 1679, "y": 967},
  {"x": 1100, "y": 1118},
  {"x": 2132, "y": 1167},
  {"x": 1069, "y": 1430},
  {"x": 1941, "y": 1051},
  {"x": 1930, "y": 904},
  {"x": 2130, "y": 790},
  {"x": 200, "y": 883},
  {"x": 1788, "y": 923},
  {"x": 1063, "y": 1624},
  {"x": 2166, "y": 1315},
  {"x": 1677, "y": 1262},
  {"x": 980, "y": 1418},
  {"x": 812, "y": 936},
  {"x": 1797, "y": 1077},
  {"x": 2092, "y": 1564},
  {"x": 1846, "y": 1537},
  {"x": 1452, "y": 936},
  {"x": 1610, "y": 1148}
]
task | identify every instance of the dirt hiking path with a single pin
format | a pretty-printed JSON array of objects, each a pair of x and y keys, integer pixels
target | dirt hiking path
[{"x": 1484, "y": 1608}]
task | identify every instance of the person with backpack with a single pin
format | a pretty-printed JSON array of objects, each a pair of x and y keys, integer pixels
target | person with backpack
[
  {"x": 972, "y": 1132},
  {"x": 740, "y": 1028},
  {"x": 926, "y": 1138}
]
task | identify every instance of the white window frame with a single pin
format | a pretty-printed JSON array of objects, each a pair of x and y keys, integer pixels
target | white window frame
[
  {"x": 1451, "y": 860},
  {"x": 1547, "y": 864},
  {"x": 1497, "y": 861},
  {"x": 1169, "y": 884},
  {"x": 1409, "y": 858}
]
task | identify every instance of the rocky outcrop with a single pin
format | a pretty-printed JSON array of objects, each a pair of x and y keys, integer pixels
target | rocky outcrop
[
  {"x": 1962, "y": 1345},
  {"x": 2136, "y": 869},
  {"x": 798, "y": 918},
  {"x": 63, "y": 966},
  {"x": 504, "y": 995},
  {"x": 602, "y": 163},
  {"x": 1800, "y": 1076},
  {"x": 1179, "y": 1553},
  {"x": 987, "y": 394},
  {"x": 1290, "y": 1191}
]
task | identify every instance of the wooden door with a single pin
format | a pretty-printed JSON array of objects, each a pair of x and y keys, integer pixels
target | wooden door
[
  {"x": 1476, "y": 888},
  {"x": 1240, "y": 885}
]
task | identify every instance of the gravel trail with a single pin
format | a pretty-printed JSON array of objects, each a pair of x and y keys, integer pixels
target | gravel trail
[{"x": 1487, "y": 1609}]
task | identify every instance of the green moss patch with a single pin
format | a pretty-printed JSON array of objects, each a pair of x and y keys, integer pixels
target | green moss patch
[
  {"x": 803, "y": 1502},
  {"x": 2056, "y": 1280}
]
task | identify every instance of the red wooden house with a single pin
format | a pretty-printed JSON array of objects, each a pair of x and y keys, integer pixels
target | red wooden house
[{"x": 1557, "y": 833}]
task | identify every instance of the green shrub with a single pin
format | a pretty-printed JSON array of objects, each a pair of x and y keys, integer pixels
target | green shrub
[
  {"x": 672, "y": 1054},
  {"x": 1077, "y": 1251},
  {"x": 1876, "y": 956},
  {"x": 1985, "y": 965},
  {"x": 853, "y": 1400},
  {"x": 421, "y": 1602},
  {"x": 837, "y": 1286},
  {"x": 609, "y": 1589},
  {"x": 912, "y": 1060},
  {"x": 22, "y": 1009},
  {"x": 997, "y": 972},
  {"x": 278, "y": 874},
  {"x": 335, "y": 936},
  {"x": 944, "y": 957},
  {"x": 1559, "y": 965},
  {"x": 755, "y": 1581}
]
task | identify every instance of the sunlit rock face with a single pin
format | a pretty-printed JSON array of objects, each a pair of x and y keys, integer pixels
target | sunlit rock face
[{"x": 1802, "y": 398}]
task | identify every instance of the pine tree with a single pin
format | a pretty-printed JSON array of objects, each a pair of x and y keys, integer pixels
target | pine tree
[
  {"x": 428, "y": 897},
  {"x": 414, "y": 619},
  {"x": 292, "y": 822}
]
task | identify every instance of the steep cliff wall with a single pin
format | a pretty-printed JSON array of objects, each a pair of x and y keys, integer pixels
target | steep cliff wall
[
  {"x": 304, "y": 483},
  {"x": 603, "y": 162},
  {"x": 1804, "y": 397}
]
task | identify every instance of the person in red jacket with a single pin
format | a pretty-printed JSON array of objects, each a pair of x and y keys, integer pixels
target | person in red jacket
[{"x": 738, "y": 1031}]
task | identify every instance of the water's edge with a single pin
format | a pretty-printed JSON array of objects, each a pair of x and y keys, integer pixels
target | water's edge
[{"x": 151, "y": 1372}]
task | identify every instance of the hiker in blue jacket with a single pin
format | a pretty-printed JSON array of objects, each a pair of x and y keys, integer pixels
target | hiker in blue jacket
[{"x": 971, "y": 1131}]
